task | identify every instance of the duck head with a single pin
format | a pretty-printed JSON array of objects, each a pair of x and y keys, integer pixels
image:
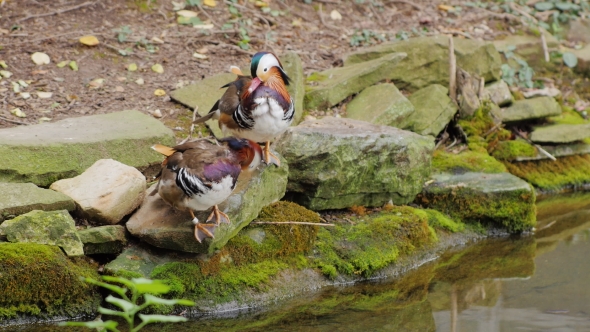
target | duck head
[
  {"x": 249, "y": 153},
  {"x": 266, "y": 66}
]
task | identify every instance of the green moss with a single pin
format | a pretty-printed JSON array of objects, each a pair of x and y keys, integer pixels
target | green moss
[
  {"x": 571, "y": 171},
  {"x": 466, "y": 161},
  {"x": 316, "y": 77},
  {"x": 568, "y": 116},
  {"x": 371, "y": 243},
  {"x": 510, "y": 150},
  {"x": 440, "y": 221},
  {"x": 39, "y": 280}
]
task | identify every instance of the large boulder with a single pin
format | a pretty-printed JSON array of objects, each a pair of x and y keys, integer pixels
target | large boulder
[
  {"x": 20, "y": 198},
  {"x": 47, "y": 152},
  {"x": 501, "y": 199},
  {"x": 105, "y": 192},
  {"x": 380, "y": 104},
  {"x": 103, "y": 239},
  {"x": 433, "y": 110},
  {"x": 561, "y": 133},
  {"x": 337, "y": 163},
  {"x": 330, "y": 87},
  {"x": 428, "y": 60},
  {"x": 53, "y": 228},
  {"x": 158, "y": 224},
  {"x": 530, "y": 109}
]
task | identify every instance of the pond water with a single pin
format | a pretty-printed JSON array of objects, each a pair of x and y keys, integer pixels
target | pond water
[{"x": 539, "y": 282}]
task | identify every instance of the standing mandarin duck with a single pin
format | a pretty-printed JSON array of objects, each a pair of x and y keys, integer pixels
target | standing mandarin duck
[
  {"x": 200, "y": 174},
  {"x": 256, "y": 107}
]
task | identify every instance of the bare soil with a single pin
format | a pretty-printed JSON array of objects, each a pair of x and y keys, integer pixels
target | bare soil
[{"x": 55, "y": 26}]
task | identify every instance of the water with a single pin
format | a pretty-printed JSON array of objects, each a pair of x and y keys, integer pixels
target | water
[{"x": 530, "y": 283}]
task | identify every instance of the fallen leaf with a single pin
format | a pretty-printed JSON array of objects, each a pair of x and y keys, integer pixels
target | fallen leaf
[
  {"x": 44, "y": 119},
  {"x": 4, "y": 32},
  {"x": 204, "y": 26},
  {"x": 200, "y": 56},
  {"x": 23, "y": 83},
  {"x": 157, "y": 113},
  {"x": 15, "y": 87},
  {"x": 121, "y": 78},
  {"x": 260, "y": 4},
  {"x": 296, "y": 22},
  {"x": 18, "y": 112},
  {"x": 210, "y": 3},
  {"x": 178, "y": 5},
  {"x": 187, "y": 13},
  {"x": 59, "y": 79},
  {"x": 446, "y": 8},
  {"x": 5, "y": 73},
  {"x": 157, "y": 40},
  {"x": 74, "y": 65},
  {"x": 159, "y": 92},
  {"x": 44, "y": 95},
  {"x": 119, "y": 89},
  {"x": 158, "y": 68},
  {"x": 335, "y": 15},
  {"x": 203, "y": 50},
  {"x": 25, "y": 95},
  {"x": 139, "y": 81},
  {"x": 63, "y": 64},
  {"x": 96, "y": 83},
  {"x": 70, "y": 98},
  {"x": 40, "y": 58},
  {"x": 89, "y": 40},
  {"x": 39, "y": 72},
  {"x": 132, "y": 67},
  {"x": 3, "y": 64}
]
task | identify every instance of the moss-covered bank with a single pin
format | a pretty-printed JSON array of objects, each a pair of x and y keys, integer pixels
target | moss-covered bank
[{"x": 569, "y": 172}]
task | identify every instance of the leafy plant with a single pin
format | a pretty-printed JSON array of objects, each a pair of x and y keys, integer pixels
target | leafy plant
[
  {"x": 129, "y": 305},
  {"x": 522, "y": 77},
  {"x": 570, "y": 59},
  {"x": 194, "y": 3},
  {"x": 366, "y": 37},
  {"x": 122, "y": 33}
]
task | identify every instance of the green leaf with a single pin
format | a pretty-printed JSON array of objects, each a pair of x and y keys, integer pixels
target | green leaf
[
  {"x": 125, "y": 305},
  {"x": 544, "y": 6},
  {"x": 233, "y": 10},
  {"x": 570, "y": 59},
  {"x": 566, "y": 6},
  {"x": 106, "y": 311},
  {"x": 124, "y": 281},
  {"x": 150, "y": 299},
  {"x": 74, "y": 65},
  {"x": 62, "y": 64},
  {"x": 143, "y": 286},
  {"x": 161, "y": 319},
  {"x": 113, "y": 288}
]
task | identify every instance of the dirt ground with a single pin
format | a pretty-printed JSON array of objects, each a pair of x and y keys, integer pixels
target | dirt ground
[{"x": 148, "y": 33}]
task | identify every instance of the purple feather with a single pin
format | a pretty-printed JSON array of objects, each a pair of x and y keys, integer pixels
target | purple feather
[{"x": 217, "y": 171}]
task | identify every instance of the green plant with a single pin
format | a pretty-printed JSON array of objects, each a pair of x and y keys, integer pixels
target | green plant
[
  {"x": 522, "y": 76},
  {"x": 122, "y": 33},
  {"x": 129, "y": 305},
  {"x": 366, "y": 37}
]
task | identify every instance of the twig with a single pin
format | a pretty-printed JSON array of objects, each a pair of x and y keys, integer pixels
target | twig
[
  {"x": 418, "y": 7},
  {"x": 208, "y": 16},
  {"x": 494, "y": 128},
  {"x": 482, "y": 84},
  {"x": 192, "y": 128},
  {"x": 452, "y": 71},
  {"x": 13, "y": 121},
  {"x": 61, "y": 11},
  {"x": 292, "y": 223},
  {"x": 545, "y": 50},
  {"x": 519, "y": 10},
  {"x": 543, "y": 151}
]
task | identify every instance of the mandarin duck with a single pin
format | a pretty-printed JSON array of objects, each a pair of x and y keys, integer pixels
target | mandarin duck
[
  {"x": 200, "y": 174},
  {"x": 256, "y": 107}
]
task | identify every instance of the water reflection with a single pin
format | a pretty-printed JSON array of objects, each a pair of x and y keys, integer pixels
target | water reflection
[{"x": 532, "y": 283}]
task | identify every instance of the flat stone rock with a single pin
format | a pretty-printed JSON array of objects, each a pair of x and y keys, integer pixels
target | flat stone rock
[
  {"x": 380, "y": 104},
  {"x": 106, "y": 192},
  {"x": 530, "y": 109},
  {"x": 559, "y": 150},
  {"x": 336, "y": 163},
  {"x": 499, "y": 93},
  {"x": 526, "y": 45},
  {"x": 47, "y": 152},
  {"x": 141, "y": 259},
  {"x": 561, "y": 133},
  {"x": 330, "y": 87},
  {"x": 160, "y": 225},
  {"x": 433, "y": 110},
  {"x": 103, "y": 239},
  {"x": 579, "y": 31},
  {"x": 500, "y": 199},
  {"x": 53, "y": 228},
  {"x": 427, "y": 61},
  {"x": 20, "y": 198}
]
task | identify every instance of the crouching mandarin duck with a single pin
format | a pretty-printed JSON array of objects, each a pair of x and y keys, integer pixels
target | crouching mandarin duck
[
  {"x": 200, "y": 174},
  {"x": 256, "y": 107}
]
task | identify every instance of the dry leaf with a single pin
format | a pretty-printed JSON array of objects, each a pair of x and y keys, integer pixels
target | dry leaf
[
  {"x": 44, "y": 119},
  {"x": 187, "y": 13},
  {"x": 74, "y": 65},
  {"x": 200, "y": 56},
  {"x": 15, "y": 87},
  {"x": 40, "y": 58},
  {"x": 18, "y": 112},
  {"x": 158, "y": 68},
  {"x": 159, "y": 92},
  {"x": 25, "y": 95},
  {"x": 157, "y": 40},
  {"x": 210, "y": 3},
  {"x": 203, "y": 50},
  {"x": 139, "y": 81},
  {"x": 5, "y": 73},
  {"x": 23, "y": 83},
  {"x": 121, "y": 78},
  {"x": 446, "y": 8},
  {"x": 63, "y": 64},
  {"x": 204, "y": 26},
  {"x": 3, "y": 64},
  {"x": 335, "y": 15},
  {"x": 119, "y": 89},
  {"x": 132, "y": 67},
  {"x": 96, "y": 83},
  {"x": 260, "y": 4},
  {"x": 89, "y": 40},
  {"x": 44, "y": 95}
]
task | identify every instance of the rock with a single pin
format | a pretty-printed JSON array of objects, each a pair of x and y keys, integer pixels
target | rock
[
  {"x": 467, "y": 93},
  {"x": 433, "y": 110},
  {"x": 560, "y": 150},
  {"x": 561, "y": 133},
  {"x": 526, "y": 45},
  {"x": 47, "y": 152},
  {"x": 105, "y": 192},
  {"x": 579, "y": 31},
  {"x": 162, "y": 226},
  {"x": 500, "y": 199},
  {"x": 529, "y": 109},
  {"x": 138, "y": 261},
  {"x": 583, "y": 55},
  {"x": 294, "y": 68},
  {"x": 333, "y": 85},
  {"x": 381, "y": 104},
  {"x": 103, "y": 239},
  {"x": 20, "y": 198},
  {"x": 498, "y": 92},
  {"x": 53, "y": 228},
  {"x": 336, "y": 163},
  {"x": 39, "y": 283},
  {"x": 427, "y": 61}
]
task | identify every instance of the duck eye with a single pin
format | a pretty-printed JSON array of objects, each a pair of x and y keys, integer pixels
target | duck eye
[{"x": 265, "y": 70}]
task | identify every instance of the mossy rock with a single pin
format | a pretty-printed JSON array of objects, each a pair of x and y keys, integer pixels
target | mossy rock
[
  {"x": 549, "y": 175},
  {"x": 499, "y": 200},
  {"x": 466, "y": 161},
  {"x": 38, "y": 282},
  {"x": 512, "y": 150},
  {"x": 19, "y": 198}
]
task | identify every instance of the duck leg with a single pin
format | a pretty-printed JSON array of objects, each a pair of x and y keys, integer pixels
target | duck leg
[
  {"x": 218, "y": 216},
  {"x": 202, "y": 231},
  {"x": 269, "y": 157}
]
